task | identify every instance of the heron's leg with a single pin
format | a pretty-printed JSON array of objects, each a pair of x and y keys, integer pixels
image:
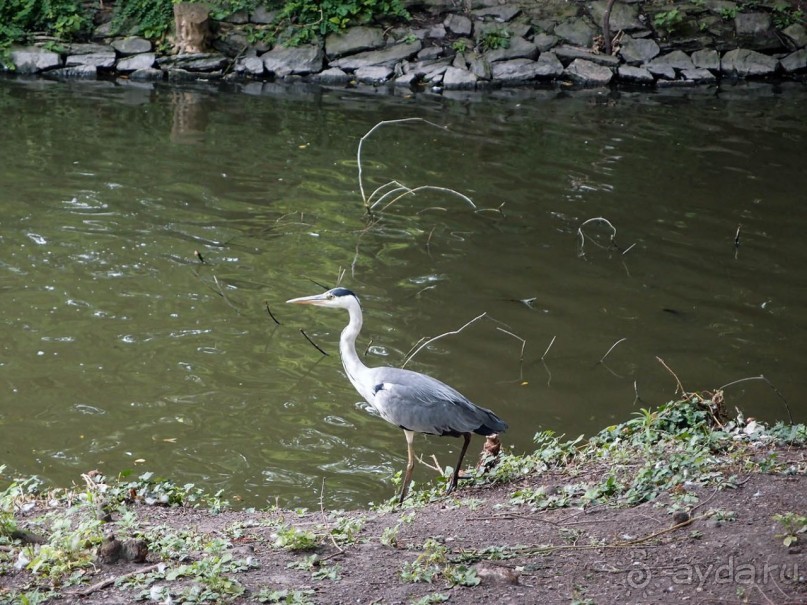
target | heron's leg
[
  {"x": 456, "y": 474},
  {"x": 410, "y": 463}
]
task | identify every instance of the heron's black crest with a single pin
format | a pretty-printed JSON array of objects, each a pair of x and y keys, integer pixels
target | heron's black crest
[{"x": 343, "y": 292}]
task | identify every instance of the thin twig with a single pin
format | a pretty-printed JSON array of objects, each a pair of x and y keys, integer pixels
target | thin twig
[
  {"x": 435, "y": 467},
  {"x": 411, "y": 354},
  {"x": 425, "y": 289},
  {"x": 548, "y": 374},
  {"x": 523, "y": 341},
  {"x": 591, "y": 220},
  {"x": 680, "y": 387},
  {"x": 268, "y": 310},
  {"x": 551, "y": 342},
  {"x": 109, "y": 581},
  {"x": 770, "y": 384},
  {"x": 371, "y": 131},
  {"x": 408, "y": 191},
  {"x": 313, "y": 281},
  {"x": 316, "y": 346},
  {"x": 222, "y": 294},
  {"x": 429, "y": 239},
  {"x": 613, "y": 346}
]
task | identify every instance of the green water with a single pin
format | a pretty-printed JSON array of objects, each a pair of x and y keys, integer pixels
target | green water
[{"x": 119, "y": 349}]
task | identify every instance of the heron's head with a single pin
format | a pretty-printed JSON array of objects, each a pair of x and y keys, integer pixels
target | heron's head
[{"x": 339, "y": 298}]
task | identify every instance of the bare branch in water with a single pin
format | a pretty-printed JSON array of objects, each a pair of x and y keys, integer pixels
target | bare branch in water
[
  {"x": 582, "y": 235},
  {"x": 371, "y": 131},
  {"x": 613, "y": 346},
  {"x": 408, "y": 191},
  {"x": 323, "y": 286},
  {"x": 429, "y": 239},
  {"x": 551, "y": 342},
  {"x": 523, "y": 341},
  {"x": 680, "y": 387},
  {"x": 315, "y": 345},
  {"x": 411, "y": 354},
  {"x": 425, "y": 289},
  {"x": 770, "y": 384},
  {"x": 221, "y": 293},
  {"x": 268, "y": 310}
]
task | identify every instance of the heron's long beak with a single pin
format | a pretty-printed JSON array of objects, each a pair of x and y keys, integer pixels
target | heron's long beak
[{"x": 317, "y": 299}]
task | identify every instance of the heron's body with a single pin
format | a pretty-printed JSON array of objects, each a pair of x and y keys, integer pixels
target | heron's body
[{"x": 409, "y": 400}]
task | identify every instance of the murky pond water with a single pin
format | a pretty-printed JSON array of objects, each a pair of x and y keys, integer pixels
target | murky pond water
[{"x": 119, "y": 349}]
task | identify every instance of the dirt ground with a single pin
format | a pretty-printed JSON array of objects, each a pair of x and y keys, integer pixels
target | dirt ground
[{"x": 726, "y": 549}]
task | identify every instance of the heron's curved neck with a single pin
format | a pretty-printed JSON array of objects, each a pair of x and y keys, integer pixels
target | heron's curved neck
[{"x": 347, "y": 345}]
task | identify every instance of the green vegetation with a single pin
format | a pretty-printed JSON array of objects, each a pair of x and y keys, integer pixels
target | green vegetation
[
  {"x": 461, "y": 46},
  {"x": 793, "y": 524},
  {"x": 433, "y": 562},
  {"x": 683, "y": 443},
  {"x": 296, "y": 21},
  {"x": 728, "y": 14},
  {"x": 668, "y": 20},
  {"x": 689, "y": 442},
  {"x": 495, "y": 39},
  {"x": 62, "y": 19},
  {"x": 148, "y": 18},
  {"x": 784, "y": 14},
  {"x": 57, "y": 537}
]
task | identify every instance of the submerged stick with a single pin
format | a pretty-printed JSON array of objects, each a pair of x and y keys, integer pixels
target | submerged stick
[
  {"x": 315, "y": 345},
  {"x": 411, "y": 354},
  {"x": 613, "y": 346},
  {"x": 408, "y": 191},
  {"x": 371, "y": 131},
  {"x": 598, "y": 219},
  {"x": 551, "y": 342},
  {"x": 680, "y": 387},
  {"x": 523, "y": 341},
  {"x": 268, "y": 310},
  {"x": 770, "y": 384}
]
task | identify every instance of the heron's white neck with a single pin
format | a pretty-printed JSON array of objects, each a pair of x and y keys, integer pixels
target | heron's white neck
[{"x": 347, "y": 347}]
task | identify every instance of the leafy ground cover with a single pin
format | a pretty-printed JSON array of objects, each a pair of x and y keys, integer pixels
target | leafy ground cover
[{"x": 680, "y": 503}]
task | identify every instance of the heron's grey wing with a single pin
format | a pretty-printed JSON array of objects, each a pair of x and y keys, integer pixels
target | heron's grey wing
[{"x": 419, "y": 403}]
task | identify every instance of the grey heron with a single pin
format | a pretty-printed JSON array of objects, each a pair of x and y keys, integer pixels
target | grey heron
[{"x": 409, "y": 400}]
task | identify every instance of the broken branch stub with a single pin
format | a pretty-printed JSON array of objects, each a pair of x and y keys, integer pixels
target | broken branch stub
[{"x": 192, "y": 27}]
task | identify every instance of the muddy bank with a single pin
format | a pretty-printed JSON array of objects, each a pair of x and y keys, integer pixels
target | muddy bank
[
  {"x": 679, "y": 504},
  {"x": 475, "y": 45}
]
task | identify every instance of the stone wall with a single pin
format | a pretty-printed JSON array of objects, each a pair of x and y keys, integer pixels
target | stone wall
[{"x": 486, "y": 43}]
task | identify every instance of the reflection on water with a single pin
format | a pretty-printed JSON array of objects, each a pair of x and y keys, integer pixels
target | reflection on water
[
  {"x": 190, "y": 117},
  {"x": 122, "y": 349}
]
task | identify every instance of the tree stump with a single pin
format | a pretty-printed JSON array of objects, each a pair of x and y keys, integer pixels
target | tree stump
[{"x": 192, "y": 27}]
